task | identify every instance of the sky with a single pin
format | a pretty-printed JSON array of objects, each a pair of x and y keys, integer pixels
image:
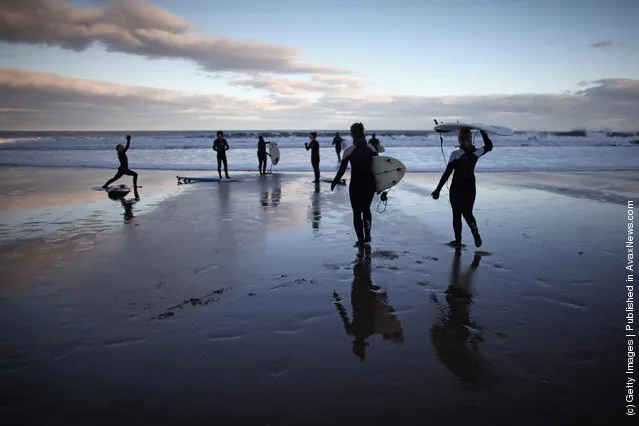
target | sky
[{"x": 307, "y": 64}]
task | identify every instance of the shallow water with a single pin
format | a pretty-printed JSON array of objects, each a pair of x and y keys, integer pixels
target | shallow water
[{"x": 246, "y": 302}]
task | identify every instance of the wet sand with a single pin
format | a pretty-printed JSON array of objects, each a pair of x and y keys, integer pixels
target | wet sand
[{"x": 245, "y": 303}]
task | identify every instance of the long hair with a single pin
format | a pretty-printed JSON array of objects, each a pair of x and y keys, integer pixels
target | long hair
[{"x": 357, "y": 132}]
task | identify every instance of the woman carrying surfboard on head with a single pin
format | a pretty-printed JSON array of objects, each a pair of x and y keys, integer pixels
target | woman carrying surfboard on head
[
  {"x": 362, "y": 185},
  {"x": 462, "y": 191}
]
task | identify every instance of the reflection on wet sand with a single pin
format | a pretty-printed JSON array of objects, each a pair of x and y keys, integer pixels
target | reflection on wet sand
[
  {"x": 127, "y": 203},
  {"x": 275, "y": 192},
  {"x": 372, "y": 314},
  {"x": 316, "y": 207},
  {"x": 455, "y": 336}
]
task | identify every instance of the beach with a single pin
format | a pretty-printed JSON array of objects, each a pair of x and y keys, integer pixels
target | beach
[{"x": 246, "y": 302}]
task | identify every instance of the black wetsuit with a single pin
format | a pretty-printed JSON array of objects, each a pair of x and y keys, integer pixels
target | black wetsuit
[
  {"x": 221, "y": 146},
  {"x": 375, "y": 143},
  {"x": 261, "y": 155},
  {"x": 315, "y": 157},
  {"x": 462, "y": 190},
  {"x": 362, "y": 186},
  {"x": 337, "y": 141},
  {"x": 124, "y": 169}
]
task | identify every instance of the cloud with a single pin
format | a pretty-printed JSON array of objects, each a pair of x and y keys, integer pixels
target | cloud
[
  {"x": 40, "y": 101},
  {"x": 139, "y": 28},
  {"x": 289, "y": 86},
  {"x": 602, "y": 44}
]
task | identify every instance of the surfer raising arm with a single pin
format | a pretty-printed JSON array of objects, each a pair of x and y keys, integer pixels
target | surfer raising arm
[
  {"x": 220, "y": 145},
  {"x": 463, "y": 191},
  {"x": 361, "y": 189},
  {"x": 124, "y": 167}
]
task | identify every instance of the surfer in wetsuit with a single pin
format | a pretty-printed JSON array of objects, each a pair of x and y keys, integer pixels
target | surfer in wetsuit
[
  {"x": 313, "y": 145},
  {"x": 220, "y": 145},
  {"x": 261, "y": 154},
  {"x": 337, "y": 141},
  {"x": 375, "y": 142},
  {"x": 124, "y": 167},
  {"x": 362, "y": 185},
  {"x": 462, "y": 191}
]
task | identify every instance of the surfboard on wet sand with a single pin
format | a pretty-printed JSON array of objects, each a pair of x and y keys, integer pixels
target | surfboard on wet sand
[
  {"x": 188, "y": 179},
  {"x": 388, "y": 172},
  {"x": 488, "y": 128},
  {"x": 274, "y": 150}
]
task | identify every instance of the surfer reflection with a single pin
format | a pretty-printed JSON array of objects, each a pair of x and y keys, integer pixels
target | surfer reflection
[
  {"x": 455, "y": 336},
  {"x": 128, "y": 209},
  {"x": 372, "y": 314},
  {"x": 316, "y": 206},
  {"x": 126, "y": 203},
  {"x": 275, "y": 192}
]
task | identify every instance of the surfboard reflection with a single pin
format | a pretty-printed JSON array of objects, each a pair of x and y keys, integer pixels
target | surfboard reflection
[
  {"x": 372, "y": 314},
  {"x": 455, "y": 336}
]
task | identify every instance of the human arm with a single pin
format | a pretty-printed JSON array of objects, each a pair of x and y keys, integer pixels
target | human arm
[
  {"x": 488, "y": 144},
  {"x": 340, "y": 172},
  {"x": 226, "y": 145},
  {"x": 128, "y": 142},
  {"x": 449, "y": 170},
  {"x": 215, "y": 145}
]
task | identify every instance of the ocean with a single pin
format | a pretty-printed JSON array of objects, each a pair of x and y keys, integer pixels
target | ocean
[{"x": 420, "y": 151}]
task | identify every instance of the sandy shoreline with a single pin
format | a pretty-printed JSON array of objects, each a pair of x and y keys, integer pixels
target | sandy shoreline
[{"x": 243, "y": 302}]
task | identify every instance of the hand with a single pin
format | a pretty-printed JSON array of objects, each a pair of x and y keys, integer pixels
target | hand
[
  {"x": 332, "y": 186},
  {"x": 128, "y": 137},
  {"x": 435, "y": 194}
]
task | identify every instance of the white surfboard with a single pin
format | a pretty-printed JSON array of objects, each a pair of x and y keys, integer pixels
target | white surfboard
[
  {"x": 190, "y": 179},
  {"x": 388, "y": 172},
  {"x": 498, "y": 130},
  {"x": 274, "y": 150}
]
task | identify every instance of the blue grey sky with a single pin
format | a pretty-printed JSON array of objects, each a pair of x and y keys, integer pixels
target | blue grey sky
[{"x": 303, "y": 63}]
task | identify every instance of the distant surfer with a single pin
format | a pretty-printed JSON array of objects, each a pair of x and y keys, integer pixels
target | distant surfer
[
  {"x": 362, "y": 185},
  {"x": 220, "y": 145},
  {"x": 313, "y": 145},
  {"x": 375, "y": 142},
  {"x": 337, "y": 141},
  {"x": 261, "y": 154},
  {"x": 462, "y": 191},
  {"x": 124, "y": 167}
]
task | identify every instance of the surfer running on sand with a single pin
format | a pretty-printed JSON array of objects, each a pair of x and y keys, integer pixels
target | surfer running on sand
[
  {"x": 462, "y": 191},
  {"x": 261, "y": 154},
  {"x": 220, "y": 145},
  {"x": 124, "y": 167},
  {"x": 313, "y": 145},
  {"x": 337, "y": 141},
  {"x": 362, "y": 185}
]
